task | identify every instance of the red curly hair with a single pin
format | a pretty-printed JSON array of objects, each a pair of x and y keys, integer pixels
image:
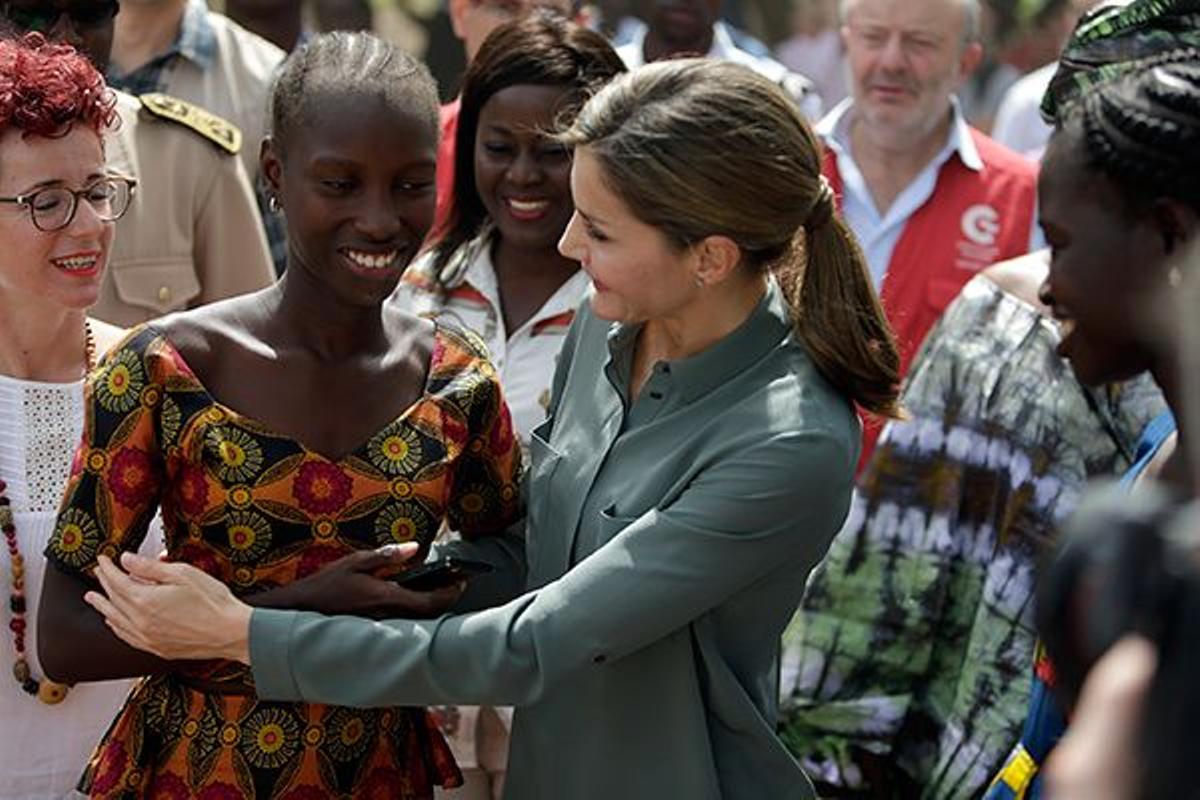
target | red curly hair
[{"x": 47, "y": 88}]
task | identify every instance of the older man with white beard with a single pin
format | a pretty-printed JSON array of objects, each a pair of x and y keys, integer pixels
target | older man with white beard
[{"x": 931, "y": 200}]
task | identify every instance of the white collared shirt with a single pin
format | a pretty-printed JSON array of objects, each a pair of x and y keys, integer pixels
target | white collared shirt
[
  {"x": 1019, "y": 122},
  {"x": 525, "y": 360},
  {"x": 633, "y": 53},
  {"x": 878, "y": 233}
]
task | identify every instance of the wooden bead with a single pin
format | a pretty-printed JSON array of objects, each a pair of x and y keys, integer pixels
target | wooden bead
[
  {"x": 48, "y": 692},
  {"x": 51, "y": 693}
]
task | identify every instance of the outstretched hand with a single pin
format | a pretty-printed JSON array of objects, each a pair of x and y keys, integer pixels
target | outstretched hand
[
  {"x": 172, "y": 610},
  {"x": 176, "y": 611}
]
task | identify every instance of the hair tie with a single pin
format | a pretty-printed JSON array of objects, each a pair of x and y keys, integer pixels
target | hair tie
[{"x": 822, "y": 208}]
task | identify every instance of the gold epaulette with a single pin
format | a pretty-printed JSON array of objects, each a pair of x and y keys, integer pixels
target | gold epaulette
[{"x": 221, "y": 132}]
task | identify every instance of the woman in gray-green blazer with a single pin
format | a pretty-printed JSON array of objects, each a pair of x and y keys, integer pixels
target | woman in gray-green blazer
[{"x": 697, "y": 460}]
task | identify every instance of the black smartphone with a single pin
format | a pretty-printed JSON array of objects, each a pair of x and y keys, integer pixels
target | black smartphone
[{"x": 439, "y": 573}]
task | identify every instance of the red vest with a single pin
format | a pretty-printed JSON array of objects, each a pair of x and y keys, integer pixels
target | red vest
[{"x": 971, "y": 221}]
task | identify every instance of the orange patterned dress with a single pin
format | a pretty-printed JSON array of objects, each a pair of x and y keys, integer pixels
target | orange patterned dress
[{"x": 257, "y": 510}]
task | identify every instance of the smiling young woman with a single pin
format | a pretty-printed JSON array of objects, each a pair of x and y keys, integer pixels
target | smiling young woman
[
  {"x": 1119, "y": 216},
  {"x": 280, "y": 431}
]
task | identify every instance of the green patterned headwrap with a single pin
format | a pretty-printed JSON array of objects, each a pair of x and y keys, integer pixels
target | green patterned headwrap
[{"x": 1113, "y": 40}]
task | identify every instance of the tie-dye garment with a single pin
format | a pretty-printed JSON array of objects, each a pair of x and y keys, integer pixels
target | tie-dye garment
[{"x": 909, "y": 658}]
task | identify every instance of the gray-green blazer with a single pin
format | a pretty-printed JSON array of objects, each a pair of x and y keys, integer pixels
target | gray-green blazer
[{"x": 667, "y": 545}]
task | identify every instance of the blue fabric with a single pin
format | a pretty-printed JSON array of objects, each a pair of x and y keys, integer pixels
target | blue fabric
[{"x": 1157, "y": 432}]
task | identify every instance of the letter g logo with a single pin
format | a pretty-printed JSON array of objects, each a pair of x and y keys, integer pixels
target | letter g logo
[{"x": 981, "y": 224}]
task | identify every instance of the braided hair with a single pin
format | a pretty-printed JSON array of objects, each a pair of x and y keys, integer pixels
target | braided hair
[
  {"x": 1114, "y": 40},
  {"x": 1143, "y": 130},
  {"x": 342, "y": 62}
]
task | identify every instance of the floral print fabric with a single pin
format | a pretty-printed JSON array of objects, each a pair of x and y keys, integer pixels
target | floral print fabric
[{"x": 258, "y": 509}]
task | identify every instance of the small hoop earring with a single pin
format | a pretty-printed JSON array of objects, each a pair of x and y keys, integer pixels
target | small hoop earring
[{"x": 273, "y": 204}]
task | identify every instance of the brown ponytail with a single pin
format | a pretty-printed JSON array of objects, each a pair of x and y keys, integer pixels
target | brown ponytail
[
  {"x": 698, "y": 148},
  {"x": 839, "y": 318}
]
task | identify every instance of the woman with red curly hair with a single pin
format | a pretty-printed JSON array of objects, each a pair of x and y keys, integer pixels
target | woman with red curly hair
[{"x": 57, "y": 209}]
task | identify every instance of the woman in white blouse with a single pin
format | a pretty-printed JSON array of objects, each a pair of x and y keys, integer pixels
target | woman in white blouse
[
  {"x": 495, "y": 269},
  {"x": 57, "y": 209}
]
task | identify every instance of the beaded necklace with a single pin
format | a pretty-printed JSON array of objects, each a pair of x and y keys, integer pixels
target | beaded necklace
[{"x": 46, "y": 690}]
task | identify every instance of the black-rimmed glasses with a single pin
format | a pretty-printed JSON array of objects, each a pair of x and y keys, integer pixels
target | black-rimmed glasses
[{"x": 54, "y": 207}]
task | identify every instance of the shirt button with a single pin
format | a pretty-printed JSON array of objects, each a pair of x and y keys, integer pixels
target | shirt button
[
  {"x": 599, "y": 658},
  {"x": 164, "y": 294}
]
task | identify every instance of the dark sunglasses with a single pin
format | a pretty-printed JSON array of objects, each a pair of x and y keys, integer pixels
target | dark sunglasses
[{"x": 42, "y": 17}]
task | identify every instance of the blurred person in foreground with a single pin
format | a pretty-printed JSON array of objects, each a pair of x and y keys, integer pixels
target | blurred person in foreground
[{"x": 1118, "y": 608}]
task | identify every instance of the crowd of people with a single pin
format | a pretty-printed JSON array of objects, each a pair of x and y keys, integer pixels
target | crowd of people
[{"x": 793, "y": 425}]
